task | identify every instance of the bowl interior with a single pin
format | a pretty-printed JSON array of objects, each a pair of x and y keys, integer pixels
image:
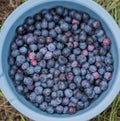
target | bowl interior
[{"x": 35, "y": 9}]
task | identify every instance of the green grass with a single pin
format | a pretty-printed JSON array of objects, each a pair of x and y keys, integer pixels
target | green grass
[{"x": 112, "y": 113}]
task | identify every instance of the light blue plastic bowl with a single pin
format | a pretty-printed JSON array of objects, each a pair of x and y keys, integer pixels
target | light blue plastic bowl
[{"x": 7, "y": 34}]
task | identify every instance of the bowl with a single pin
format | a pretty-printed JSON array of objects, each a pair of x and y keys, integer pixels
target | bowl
[{"x": 7, "y": 34}]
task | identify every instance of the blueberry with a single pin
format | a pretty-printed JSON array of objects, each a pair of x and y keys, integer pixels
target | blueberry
[
  {"x": 68, "y": 19},
  {"x": 12, "y": 72},
  {"x": 60, "y": 10},
  {"x": 60, "y": 93},
  {"x": 103, "y": 85},
  {"x": 65, "y": 110},
  {"x": 65, "y": 101},
  {"x": 25, "y": 65},
  {"x": 37, "y": 84},
  {"x": 108, "y": 60},
  {"x": 28, "y": 81},
  {"x": 66, "y": 52},
  {"x": 81, "y": 59},
  {"x": 83, "y": 71},
  {"x": 107, "y": 75},
  {"x": 74, "y": 27},
  {"x": 37, "y": 17},
  {"x": 31, "y": 28},
  {"x": 59, "y": 109},
  {"x": 72, "y": 57},
  {"x": 52, "y": 33},
  {"x": 37, "y": 69},
  {"x": 11, "y": 61},
  {"x": 23, "y": 50},
  {"x": 97, "y": 90},
  {"x": 58, "y": 100},
  {"x": 80, "y": 105},
  {"x": 96, "y": 24},
  {"x": 88, "y": 29},
  {"x": 85, "y": 16},
  {"x": 56, "y": 18},
  {"x": 43, "y": 78},
  {"x": 82, "y": 37},
  {"x": 51, "y": 25},
  {"x": 38, "y": 25},
  {"x": 19, "y": 42},
  {"x": 50, "y": 83},
  {"x": 83, "y": 45},
  {"x": 53, "y": 103},
  {"x": 39, "y": 99},
  {"x": 77, "y": 80},
  {"x": 68, "y": 93},
  {"x": 60, "y": 46},
  {"x": 85, "y": 84},
  {"x": 42, "y": 63},
  {"x": 51, "y": 47},
  {"x": 62, "y": 60},
  {"x": 70, "y": 45},
  {"x": 32, "y": 97},
  {"x": 99, "y": 33},
  {"x": 44, "y": 24},
  {"x": 72, "y": 110},
  {"x": 43, "y": 106},
  {"x": 29, "y": 20},
  {"x": 78, "y": 95},
  {"x": 20, "y": 30},
  {"x": 48, "y": 17},
  {"x": 91, "y": 60},
  {"x": 88, "y": 91},
  {"x": 13, "y": 46},
  {"x": 20, "y": 59},
  {"x": 20, "y": 88},
  {"x": 54, "y": 95},
  {"x": 64, "y": 27},
  {"x": 101, "y": 71},
  {"x": 38, "y": 90},
  {"x": 46, "y": 92},
  {"x": 33, "y": 47},
  {"x": 44, "y": 33},
  {"x": 58, "y": 30},
  {"x": 56, "y": 53},
  {"x": 92, "y": 68},
  {"x": 15, "y": 53},
  {"x": 76, "y": 51},
  {"x": 109, "y": 68},
  {"x": 30, "y": 70}
]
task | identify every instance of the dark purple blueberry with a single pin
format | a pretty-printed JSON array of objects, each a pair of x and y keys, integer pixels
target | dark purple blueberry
[
  {"x": 54, "y": 95},
  {"x": 51, "y": 47},
  {"x": 39, "y": 99},
  {"x": 58, "y": 100},
  {"x": 96, "y": 24},
  {"x": 103, "y": 85},
  {"x": 76, "y": 51},
  {"x": 38, "y": 25},
  {"x": 83, "y": 45},
  {"x": 74, "y": 64},
  {"x": 59, "y": 10},
  {"x": 20, "y": 59},
  {"x": 15, "y": 53},
  {"x": 78, "y": 95},
  {"x": 33, "y": 47},
  {"x": 62, "y": 77},
  {"x": 108, "y": 60},
  {"x": 19, "y": 42},
  {"x": 60, "y": 93},
  {"x": 20, "y": 30},
  {"x": 62, "y": 68},
  {"x": 37, "y": 17},
  {"x": 101, "y": 71},
  {"x": 29, "y": 20},
  {"x": 12, "y": 72},
  {"x": 91, "y": 60},
  {"x": 53, "y": 103},
  {"x": 64, "y": 27},
  {"x": 78, "y": 16},
  {"x": 85, "y": 84},
  {"x": 50, "y": 83},
  {"x": 50, "y": 110},
  {"x": 60, "y": 46},
  {"x": 109, "y": 68},
  {"x": 69, "y": 76},
  {"x": 59, "y": 109},
  {"x": 48, "y": 17},
  {"x": 107, "y": 75},
  {"x": 37, "y": 69},
  {"x": 76, "y": 71},
  {"x": 85, "y": 16},
  {"x": 82, "y": 37},
  {"x": 31, "y": 28},
  {"x": 32, "y": 97},
  {"x": 81, "y": 59},
  {"x": 68, "y": 19},
  {"x": 88, "y": 91},
  {"x": 74, "y": 27},
  {"x": 46, "y": 92},
  {"x": 44, "y": 33},
  {"x": 83, "y": 71},
  {"x": 86, "y": 104},
  {"x": 51, "y": 25},
  {"x": 74, "y": 100},
  {"x": 11, "y": 61},
  {"x": 38, "y": 90},
  {"x": 99, "y": 33},
  {"x": 43, "y": 106},
  {"x": 23, "y": 50},
  {"x": 97, "y": 90},
  {"x": 68, "y": 93},
  {"x": 43, "y": 78},
  {"x": 62, "y": 60},
  {"x": 36, "y": 77},
  {"x": 70, "y": 45},
  {"x": 77, "y": 80},
  {"x": 13, "y": 46},
  {"x": 56, "y": 54},
  {"x": 44, "y": 24},
  {"x": 72, "y": 86},
  {"x": 65, "y": 110},
  {"x": 80, "y": 105},
  {"x": 37, "y": 84},
  {"x": 56, "y": 18},
  {"x": 61, "y": 85},
  {"x": 52, "y": 33},
  {"x": 19, "y": 76},
  {"x": 58, "y": 30},
  {"x": 20, "y": 88},
  {"x": 42, "y": 63},
  {"x": 28, "y": 81},
  {"x": 30, "y": 70},
  {"x": 65, "y": 101},
  {"x": 92, "y": 68}
]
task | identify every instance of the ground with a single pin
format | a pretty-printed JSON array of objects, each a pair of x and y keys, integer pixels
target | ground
[{"x": 8, "y": 113}]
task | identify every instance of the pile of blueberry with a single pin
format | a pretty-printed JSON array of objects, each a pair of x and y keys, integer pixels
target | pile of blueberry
[{"x": 60, "y": 60}]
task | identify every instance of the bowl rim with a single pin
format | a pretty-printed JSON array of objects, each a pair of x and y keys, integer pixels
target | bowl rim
[{"x": 17, "y": 103}]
